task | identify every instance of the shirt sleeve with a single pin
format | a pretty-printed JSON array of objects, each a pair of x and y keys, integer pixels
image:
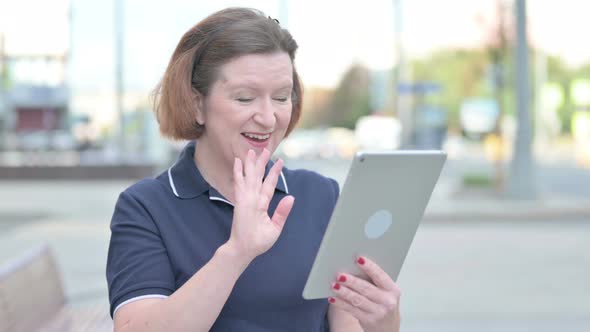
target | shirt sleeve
[
  {"x": 137, "y": 262},
  {"x": 333, "y": 193},
  {"x": 336, "y": 190}
]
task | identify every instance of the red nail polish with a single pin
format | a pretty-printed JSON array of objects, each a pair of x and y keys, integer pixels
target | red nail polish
[
  {"x": 342, "y": 278},
  {"x": 336, "y": 286},
  {"x": 331, "y": 300},
  {"x": 361, "y": 261}
]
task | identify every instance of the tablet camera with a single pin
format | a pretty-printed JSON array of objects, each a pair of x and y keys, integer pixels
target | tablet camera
[{"x": 378, "y": 224}]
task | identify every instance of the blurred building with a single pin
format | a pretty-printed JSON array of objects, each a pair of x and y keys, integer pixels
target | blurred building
[
  {"x": 35, "y": 111},
  {"x": 33, "y": 102}
]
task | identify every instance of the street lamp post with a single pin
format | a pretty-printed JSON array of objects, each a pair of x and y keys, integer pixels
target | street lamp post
[
  {"x": 3, "y": 79},
  {"x": 402, "y": 76},
  {"x": 522, "y": 185},
  {"x": 119, "y": 86}
]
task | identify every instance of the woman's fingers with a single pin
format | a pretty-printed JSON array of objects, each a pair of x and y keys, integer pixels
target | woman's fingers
[
  {"x": 239, "y": 181},
  {"x": 254, "y": 166},
  {"x": 253, "y": 228},
  {"x": 282, "y": 211},
  {"x": 379, "y": 277},
  {"x": 362, "y": 287},
  {"x": 374, "y": 302},
  {"x": 343, "y": 305},
  {"x": 248, "y": 175},
  {"x": 270, "y": 183},
  {"x": 250, "y": 167},
  {"x": 261, "y": 162},
  {"x": 353, "y": 298},
  {"x": 238, "y": 172}
]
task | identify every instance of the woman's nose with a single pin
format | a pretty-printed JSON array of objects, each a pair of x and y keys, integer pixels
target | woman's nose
[{"x": 265, "y": 115}]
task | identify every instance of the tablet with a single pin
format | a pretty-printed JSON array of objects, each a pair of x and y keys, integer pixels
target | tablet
[{"x": 377, "y": 214}]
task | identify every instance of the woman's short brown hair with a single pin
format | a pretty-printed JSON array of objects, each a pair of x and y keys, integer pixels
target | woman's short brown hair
[{"x": 203, "y": 49}]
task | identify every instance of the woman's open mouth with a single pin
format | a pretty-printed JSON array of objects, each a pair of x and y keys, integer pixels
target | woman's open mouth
[{"x": 257, "y": 140}]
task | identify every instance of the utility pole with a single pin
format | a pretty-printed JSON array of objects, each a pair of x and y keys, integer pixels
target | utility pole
[
  {"x": 67, "y": 65},
  {"x": 119, "y": 86},
  {"x": 4, "y": 69},
  {"x": 522, "y": 185},
  {"x": 3, "y": 110},
  {"x": 402, "y": 75}
]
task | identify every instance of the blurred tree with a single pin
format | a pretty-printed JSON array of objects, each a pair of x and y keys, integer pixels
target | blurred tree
[
  {"x": 461, "y": 74},
  {"x": 349, "y": 101},
  {"x": 316, "y": 101},
  {"x": 496, "y": 42},
  {"x": 557, "y": 71},
  {"x": 466, "y": 73},
  {"x": 581, "y": 72}
]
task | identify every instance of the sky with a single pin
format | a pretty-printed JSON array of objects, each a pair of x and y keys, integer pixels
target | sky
[{"x": 332, "y": 34}]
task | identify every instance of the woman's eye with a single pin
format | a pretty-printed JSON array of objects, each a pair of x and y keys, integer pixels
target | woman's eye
[
  {"x": 282, "y": 99},
  {"x": 244, "y": 100}
]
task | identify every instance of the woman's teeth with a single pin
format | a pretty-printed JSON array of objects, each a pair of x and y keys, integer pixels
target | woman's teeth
[{"x": 257, "y": 137}]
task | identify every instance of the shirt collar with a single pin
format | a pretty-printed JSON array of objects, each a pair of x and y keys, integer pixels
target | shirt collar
[{"x": 186, "y": 180}]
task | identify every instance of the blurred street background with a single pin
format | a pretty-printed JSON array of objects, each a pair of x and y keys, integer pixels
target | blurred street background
[{"x": 503, "y": 86}]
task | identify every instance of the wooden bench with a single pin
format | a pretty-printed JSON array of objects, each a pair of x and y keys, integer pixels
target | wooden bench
[{"x": 32, "y": 298}]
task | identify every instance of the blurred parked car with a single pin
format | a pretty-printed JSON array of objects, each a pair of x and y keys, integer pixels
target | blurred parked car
[
  {"x": 301, "y": 144},
  {"x": 324, "y": 143},
  {"x": 478, "y": 117},
  {"x": 338, "y": 143},
  {"x": 377, "y": 132}
]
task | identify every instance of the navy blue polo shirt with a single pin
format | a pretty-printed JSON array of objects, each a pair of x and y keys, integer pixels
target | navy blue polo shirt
[{"x": 165, "y": 229}]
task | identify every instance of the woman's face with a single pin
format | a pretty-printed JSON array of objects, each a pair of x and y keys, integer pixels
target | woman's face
[{"x": 248, "y": 106}]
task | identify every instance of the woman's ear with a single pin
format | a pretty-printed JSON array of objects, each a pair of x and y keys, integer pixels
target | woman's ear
[{"x": 199, "y": 102}]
